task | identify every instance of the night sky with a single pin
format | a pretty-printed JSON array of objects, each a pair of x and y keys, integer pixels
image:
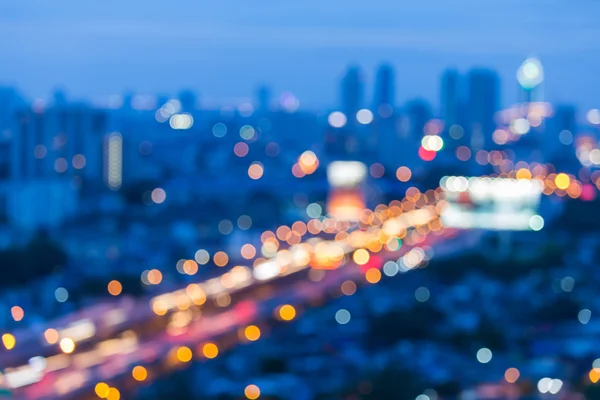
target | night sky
[{"x": 224, "y": 49}]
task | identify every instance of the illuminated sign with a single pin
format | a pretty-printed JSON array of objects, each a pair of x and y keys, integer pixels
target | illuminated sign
[
  {"x": 346, "y": 200},
  {"x": 491, "y": 203},
  {"x": 346, "y": 174}
]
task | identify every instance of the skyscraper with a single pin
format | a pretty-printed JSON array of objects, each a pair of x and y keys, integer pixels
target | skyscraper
[
  {"x": 58, "y": 141},
  {"x": 530, "y": 76},
  {"x": 187, "y": 98},
  {"x": 384, "y": 89},
  {"x": 352, "y": 92},
  {"x": 263, "y": 98},
  {"x": 482, "y": 105},
  {"x": 419, "y": 113},
  {"x": 450, "y": 97},
  {"x": 560, "y": 137}
]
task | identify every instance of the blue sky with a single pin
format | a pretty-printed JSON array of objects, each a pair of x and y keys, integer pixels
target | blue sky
[{"x": 224, "y": 49}]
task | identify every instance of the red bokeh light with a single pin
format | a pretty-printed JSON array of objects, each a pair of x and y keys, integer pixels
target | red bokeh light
[
  {"x": 374, "y": 262},
  {"x": 426, "y": 155},
  {"x": 588, "y": 192}
]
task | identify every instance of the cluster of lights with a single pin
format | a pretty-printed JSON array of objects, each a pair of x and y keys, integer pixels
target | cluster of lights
[
  {"x": 181, "y": 121},
  {"x": 104, "y": 391},
  {"x": 167, "y": 110},
  {"x": 432, "y": 143},
  {"x": 381, "y": 224},
  {"x": 484, "y": 188},
  {"x": 115, "y": 161},
  {"x": 549, "y": 385},
  {"x": 307, "y": 164}
]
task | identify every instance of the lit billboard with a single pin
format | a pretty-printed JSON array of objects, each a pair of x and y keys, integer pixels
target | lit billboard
[
  {"x": 346, "y": 200},
  {"x": 491, "y": 203}
]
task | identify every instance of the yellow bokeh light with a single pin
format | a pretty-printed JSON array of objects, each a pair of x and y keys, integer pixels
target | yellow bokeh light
[
  {"x": 159, "y": 307},
  {"x": 113, "y": 394},
  {"x": 9, "y": 341},
  {"x": 115, "y": 288},
  {"x": 523, "y": 173},
  {"x": 594, "y": 375},
  {"x": 102, "y": 390},
  {"x": 361, "y": 256},
  {"x": 51, "y": 336},
  {"x": 196, "y": 294},
  {"x": 67, "y": 345},
  {"x": 190, "y": 267},
  {"x": 562, "y": 181},
  {"x": 184, "y": 354},
  {"x": 210, "y": 350},
  {"x": 287, "y": 312},
  {"x": 252, "y": 392},
  {"x": 373, "y": 275},
  {"x": 252, "y": 333},
  {"x": 139, "y": 373},
  {"x": 155, "y": 277}
]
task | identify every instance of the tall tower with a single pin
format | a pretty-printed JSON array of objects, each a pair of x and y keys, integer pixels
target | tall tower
[
  {"x": 483, "y": 102},
  {"x": 530, "y": 76},
  {"x": 263, "y": 98},
  {"x": 188, "y": 100},
  {"x": 384, "y": 89},
  {"x": 560, "y": 136},
  {"x": 450, "y": 97},
  {"x": 58, "y": 142},
  {"x": 383, "y": 136},
  {"x": 352, "y": 92},
  {"x": 419, "y": 113}
]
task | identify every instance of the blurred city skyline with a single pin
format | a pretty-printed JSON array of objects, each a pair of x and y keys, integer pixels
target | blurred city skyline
[{"x": 224, "y": 52}]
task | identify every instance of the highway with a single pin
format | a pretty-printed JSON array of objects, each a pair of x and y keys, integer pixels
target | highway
[{"x": 111, "y": 338}]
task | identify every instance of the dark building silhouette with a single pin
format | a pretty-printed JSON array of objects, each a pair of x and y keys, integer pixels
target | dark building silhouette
[
  {"x": 482, "y": 104},
  {"x": 187, "y": 98},
  {"x": 352, "y": 92},
  {"x": 450, "y": 97},
  {"x": 263, "y": 98},
  {"x": 419, "y": 113},
  {"x": 560, "y": 136},
  {"x": 384, "y": 88}
]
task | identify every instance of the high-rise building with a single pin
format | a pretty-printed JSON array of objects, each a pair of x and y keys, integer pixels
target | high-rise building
[
  {"x": 113, "y": 160},
  {"x": 263, "y": 98},
  {"x": 560, "y": 137},
  {"x": 352, "y": 92},
  {"x": 530, "y": 76},
  {"x": 418, "y": 112},
  {"x": 384, "y": 89},
  {"x": 450, "y": 97},
  {"x": 187, "y": 98},
  {"x": 10, "y": 101},
  {"x": 57, "y": 141},
  {"x": 482, "y": 104}
]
